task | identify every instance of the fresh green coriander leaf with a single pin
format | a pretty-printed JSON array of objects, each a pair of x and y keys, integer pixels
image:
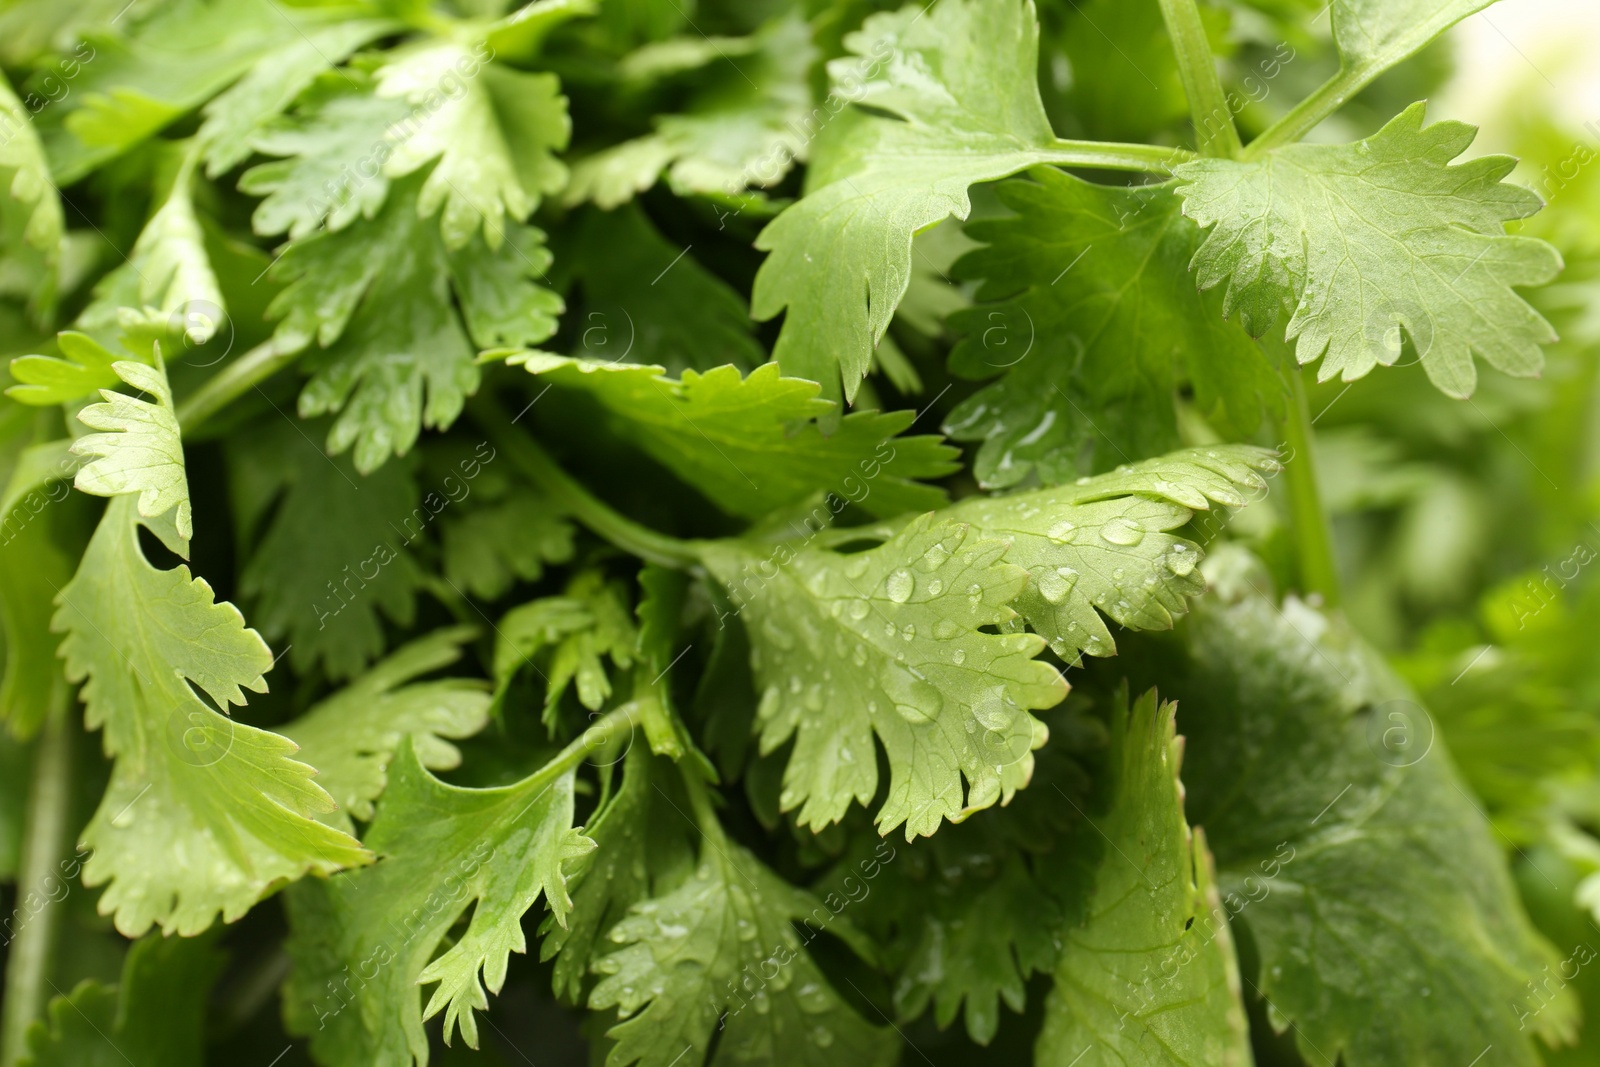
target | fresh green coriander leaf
[
  {"x": 491, "y": 547},
  {"x": 1363, "y": 241},
  {"x": 335, "y": 553},
  {"x": 171, "y": 261},
  {"x": 591, "y": 622},
  {"x": 1088, "y": 306},
  {"x": 446, "y": 850},
  {"x": 233, "y": 119},
  {"x": 646, "y": 300},
  {"x": 351, "y": 737},
  {"x": 1316, "y": 815},
  {"x": 156, "y": 1014},
  {"x": 642, "y": 847},
  {"x": 380, "y": 298},
  {"x": 1374, "y": 35},
  {"x": 332, "y": 148},
  {"x": 745, "y": 125},
  {"x": 887, "y": 643},
  {"x": 1101, "y": 543},
  {"x": 203, "y": 814},
  {"x": 139, "y": 449},
  {"x": 35, "y": 562},
  {"x": 731, "y": 437},
  {"x": 30, "y": 186},
  {"x": 684, "y": 975},
  {"x": 83, "y": 368},
  {"x": 1150, "y": 976},
  {"x": 494, "y": 138},
  {"x": 174, "y": 58},
  {"x": 960, "y": 79}
]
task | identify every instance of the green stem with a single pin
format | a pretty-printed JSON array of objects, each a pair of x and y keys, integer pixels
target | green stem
[
  {"x": 246, "y": 372},
  {"x": 1313, "y": 541},
  {"x": 1111, "y": 155},
  {"x": 600, "y": 733},
  {"x": 44, "y": 844},
  {"x": 1305, "y": 116},
  {"x": 1214, "y": 131},
  {"x": 564, "y": 490}
]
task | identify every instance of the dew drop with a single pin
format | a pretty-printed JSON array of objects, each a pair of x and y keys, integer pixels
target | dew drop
[
  {"x": 1052, "y": 586},
  {"x": 958, "y": 657},
  {"x": 859, "y": 609},
  {"x": 935, "y": 557},
  {"x": 1181, "y": 562},
  {"x": 907, "y": 632},
  {"x": 1062, "y": 533},
  {"x": 1122, "y": 532},
  {"x": 899, "y": 586},
  {"x": 935, "y": 587},
  {"x": 945, "y": 629},
  {"x": 821, "y": 1036}
]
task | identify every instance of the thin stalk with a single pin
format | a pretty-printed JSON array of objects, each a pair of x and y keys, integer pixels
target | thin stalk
[
  {"x": 1214, "y": 131},
  {"x": 564, "y": 490},
  {"x": 244, "y": 373},
  {"x": 44, "y": 844},
  {"x": 1313, "y": 540},
  {"x": 1113, "y": 155},
  {"x": 1301, "y": 119}
]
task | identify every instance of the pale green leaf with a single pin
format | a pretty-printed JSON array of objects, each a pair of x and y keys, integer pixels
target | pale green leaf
[
  {"x": 333, "y": 145},
  {"x": 30, "y": 184},
  {"x": 590, "y": 623},
  {"x": 1149, "y": 977},
  {"x": 1370, "y": 242},
  {"x": 139, "y": 449},
  {"x": 174, "y": 270},
  {"x": 494, "y": 132},
  {"x": 734, "y": 439},
  {"x": 887, "y": 643},
  {"x": 445, "y": 850},
  {"x": 1374, "y": 35},
  {"x": 351, "y": 737},
  {"x": 203, "y": 814},
  {"x": 83, "y": 368}
]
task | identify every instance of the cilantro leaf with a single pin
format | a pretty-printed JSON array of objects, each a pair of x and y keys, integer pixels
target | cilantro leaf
[
  {"x": 233, "y": 118},
  {"x": 1089, "y": 308},
  {"x": 445, "y": 850},
  {"x": 1366, "y": 240},
  {"x": 172, "y": 264},
  {"x": 1306, "y": 796},
  {"x": 887, "y": 643},
  {"x": 960, "y": 80},
  {"x": 1374, "y": 35},
  {"x": 494, "y": 137},
  {"x": 203, "y": 814},
  {"x": 589, "y": 623},
  {"x": 395, "y": 353},
  {"x": 683, "y": 964},
  {"x": 351, "y": 737},
  {"x": 510, "y": 540},
  {"x": 138, "y": 450},
  {"x": 729, "y": 436},
  {"x": 31, "y": 211},
  {"x": 336, "y": 552},
  {"x": 1101, "y": 543},
  {"x": 35, "y": 562},
  {"x": 749, "y": 119},
  {"x": 332, "y": 147},
  {"x": 188, "y": 781},
  {"x": 1154, "y": 907},
  {"x": 84, "y": 367},
  {"x": 640, "y": 848},
  {"x": 155, "y": 1014},
  {"x": 651, "y": 299}
]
